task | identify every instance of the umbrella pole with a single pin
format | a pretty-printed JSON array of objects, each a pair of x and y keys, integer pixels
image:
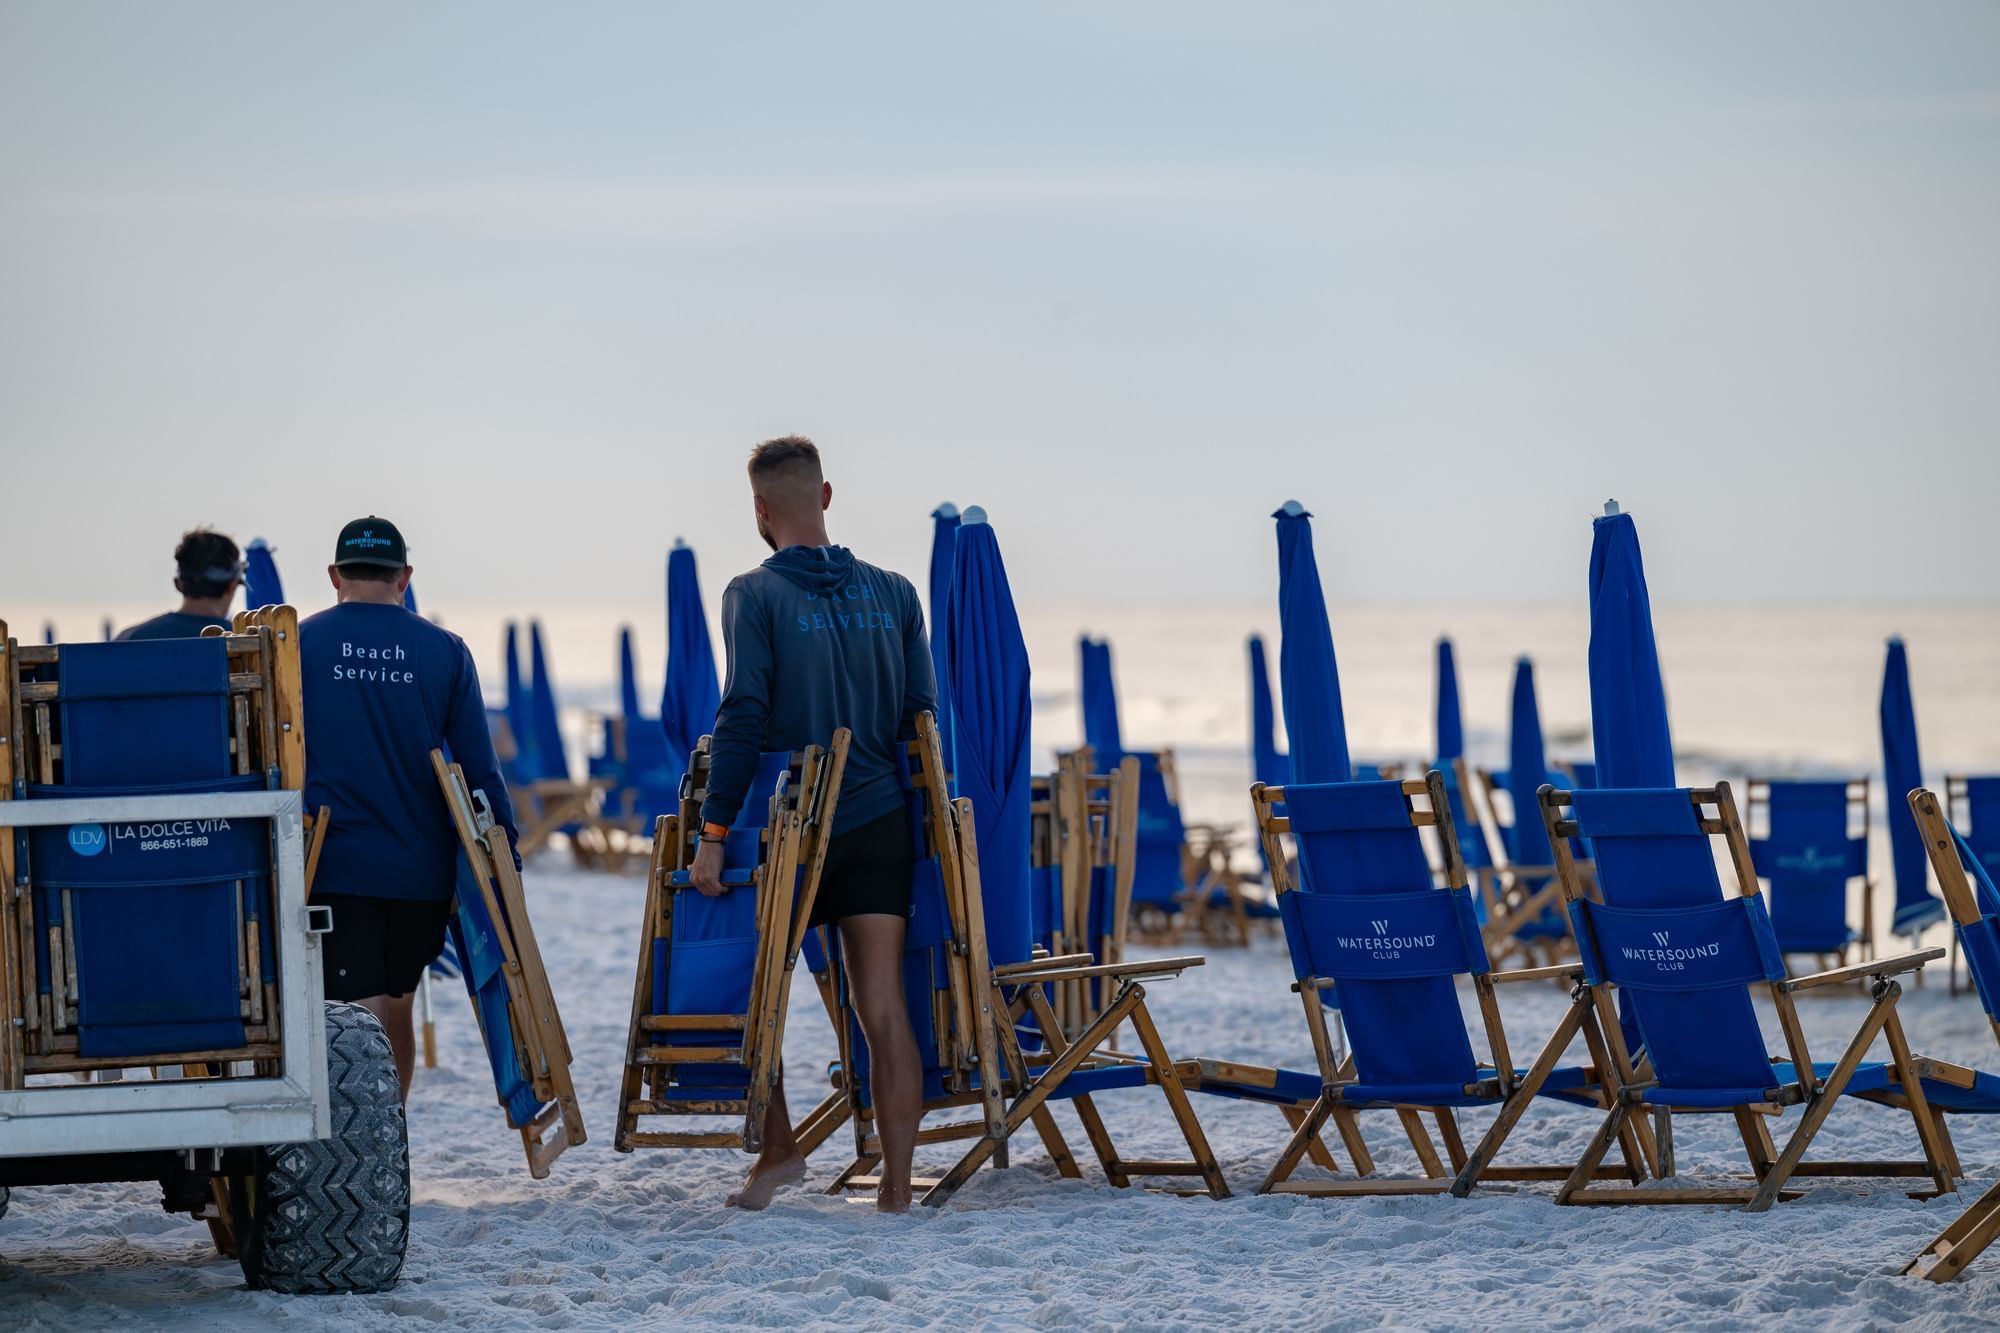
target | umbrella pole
[{"x": 429, "y": 1019}]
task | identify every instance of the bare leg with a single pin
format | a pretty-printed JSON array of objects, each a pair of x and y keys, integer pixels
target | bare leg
[
  {"x": 873, "y": 947},
  {"x": 394, "y": 1013},
  {"x": 779, "y": 1164}
]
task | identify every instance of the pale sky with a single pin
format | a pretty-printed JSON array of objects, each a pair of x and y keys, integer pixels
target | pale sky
[{"x": 531, "y": 279}]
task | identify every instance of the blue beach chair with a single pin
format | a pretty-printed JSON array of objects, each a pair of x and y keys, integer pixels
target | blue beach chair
[
  {"x": 1966, "y": 877},
  {"x": 1973, "y": 804},
  {"x": 989, "y": 1037},
  {"x": 1809, "y": 842},
  {"x": 1365, "y": 917},
  {"x": 1689, "y": 958},
  {"x": 1524, "y": 912},
  {"x": 501, "y": 964},
  {"x": 714, "y": 976},
  {"x": 103, "y": 907}
]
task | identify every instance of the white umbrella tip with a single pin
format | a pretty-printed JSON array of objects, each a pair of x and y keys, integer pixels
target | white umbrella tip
[
  {"x": 1293, "y": 508},
  {"x": 680, "y": 543},
  {"x": 1611, "y": 508},
  {"x": 945, "y": 510},
  {"x": 974, "y": 514},
  {"x": 258, "y": 544}
]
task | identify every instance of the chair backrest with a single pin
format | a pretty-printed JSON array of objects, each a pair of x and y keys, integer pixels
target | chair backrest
[
  {"x": 1973, "y": 805},
  {"x": 1812, "y": 840},
  {"x": 1365, "y": 913},
  {"x": 151, "y": 939},
  {"x": 1969, "y": 895},
  {"x": 1662, "y": 929},
  {"x": 1158, "y": 880}
]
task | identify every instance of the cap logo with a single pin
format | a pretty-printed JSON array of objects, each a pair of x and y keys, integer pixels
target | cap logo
[{"x": 368, "y": 538}]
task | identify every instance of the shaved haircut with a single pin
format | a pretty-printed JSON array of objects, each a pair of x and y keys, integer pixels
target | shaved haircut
[{"x": 786, "y": 470}]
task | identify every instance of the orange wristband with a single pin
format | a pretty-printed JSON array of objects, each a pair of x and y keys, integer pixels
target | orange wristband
[{"x": 712, "y": 830}]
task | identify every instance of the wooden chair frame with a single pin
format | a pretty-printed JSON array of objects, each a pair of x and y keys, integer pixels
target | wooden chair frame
[
  {"x": 1978, "y": 1226},
  {"x": 1757, "y": 798},
  {"x": 794, "y": 838},
  {"x": 1957, "y": 809},
  {"x": 540, "y": 1043},
  {"x": 267, "y": 734},
  {"x": 1511, "y": 900},
  {"x": 1771, "y": 1168},
  {"x": 981, "y": 1013},
  {"x": 1337, "y": 1069}
]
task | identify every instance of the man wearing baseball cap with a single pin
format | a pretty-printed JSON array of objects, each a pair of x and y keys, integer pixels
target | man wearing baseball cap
[
  {"x": 383, "y": 688},
  {"x": 207, "y": 570}
]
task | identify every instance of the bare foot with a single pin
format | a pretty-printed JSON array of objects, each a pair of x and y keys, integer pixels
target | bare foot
[
  {"x": 892, "y": 1198},
  {"x": 766, "y": 1179}
]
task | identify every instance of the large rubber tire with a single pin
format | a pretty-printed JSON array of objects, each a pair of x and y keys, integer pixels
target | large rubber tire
[{"x": 334, "y": 1215}]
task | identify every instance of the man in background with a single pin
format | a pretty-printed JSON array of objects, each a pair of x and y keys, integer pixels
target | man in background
[
  {"x": 818, "y": 640},
  {"x": 207, "y": 571},
  {"x": 383, "y": 688}
]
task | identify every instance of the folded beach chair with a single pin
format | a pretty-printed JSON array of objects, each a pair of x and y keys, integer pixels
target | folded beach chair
[
  {"x": 1365, "y": 916},
  {"x": 714, "y": 974},
  {"x": 1970, "y": 896},
  {"x": 973, "y": 1028},
  {"x": 1661, "y": 930},
  {"x": 501, "y": 964},
  {"x": 1973, "y": 805},
  {"x": 140, "y": 947},
  {"x": 1524, "y": 905},
  {"x": 1809, "y": 841}
]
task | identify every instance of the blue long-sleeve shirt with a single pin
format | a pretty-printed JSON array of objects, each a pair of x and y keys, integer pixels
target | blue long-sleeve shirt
[
  {"x": 817, "y": 640},
  {"x": 383, "y": 688}
]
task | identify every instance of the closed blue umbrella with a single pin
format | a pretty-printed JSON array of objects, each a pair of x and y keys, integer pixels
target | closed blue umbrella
[
  {"x": 944, "y": 544},
  {"x": 261, "y": 584},
  {"x": 110, "y": 630},
  {"x": 1527, "y": 770},
  {"x": 1450, "y": 723},
  {"x": 1099, "y": 702},
  {"x": 551, "y": 759},
  {"x": 1628, "y": 700},
  {"x": 410, "y": 598},
  {"x": 1902, "y": 772},
  {"x": 1267, "y": 763},
  {"x": 628, "y": 677},
  {"x": 1308, "y": 679},
  {"x": 692, "y": 695},
  {"x": 520, "y": 712},
  {"x": 986, "y": 662},
  {"x": 48, "y": 631}
]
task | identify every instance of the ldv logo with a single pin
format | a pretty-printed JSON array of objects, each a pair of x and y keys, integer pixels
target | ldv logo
[
  {"x": 1660, "y": 938},
  {"x": 87, "y": 839},
  {"x": 1381, "y": 927}
]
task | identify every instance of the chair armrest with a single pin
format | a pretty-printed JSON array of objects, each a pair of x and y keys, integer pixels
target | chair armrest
[
  {"x": 1881, "y": 967},
  {"x": 1023, "y": 974},
  {"x": 1043, "y": 963},
  {"x": 1538, "y": 973}
]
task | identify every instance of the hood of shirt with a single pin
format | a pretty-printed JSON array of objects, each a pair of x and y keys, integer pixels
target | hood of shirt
[{"x": 818, "y": 569}]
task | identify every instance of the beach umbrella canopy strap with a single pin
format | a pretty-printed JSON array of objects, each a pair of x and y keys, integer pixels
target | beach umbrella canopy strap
[
  {"x": 1628, "y": 701},
  {"x": 261, "y": 585},
  {"x": 1308, "y": 680},
  {"x": 1450, "y": 723},
  {"x": 944, "y": 547},
  {"x": 692, "y": 695},
  {"x": 552, "y": 760},
  {"x": 1902, "y": 772},
  {"x": 1268, "y": 763},
  {"x": 986, "y": 662}
]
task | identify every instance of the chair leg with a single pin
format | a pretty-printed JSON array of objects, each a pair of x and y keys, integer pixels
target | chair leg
[
  {"x": 1821, "y": 1105},
  {"x": 1316, "y": 1147},
  {"x": 1519, "y": 1100},
  {"x": 1057, "y": 1146},
  {"x": 1757, "y": 1145},
  {"x": 1586, "y": 1168},
  {"x": 1937, "y": 1155},
  {"x": 1295, "y": 1147},
  {"x": 1100, "y": 1142},
  {"x": 1454, "y": 1142},
  {"x": 1420, "y": 1141},
  {"x": 1663, "y": 1139},
  {"x": 1961, "y": 1242},
  {"x": 1177, "y": 1099}
]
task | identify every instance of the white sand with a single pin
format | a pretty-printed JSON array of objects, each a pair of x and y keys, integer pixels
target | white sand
[{"x": 617, "y": 1241}]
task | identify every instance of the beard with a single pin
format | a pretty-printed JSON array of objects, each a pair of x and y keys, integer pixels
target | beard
[{"x": 764, "y": 531}]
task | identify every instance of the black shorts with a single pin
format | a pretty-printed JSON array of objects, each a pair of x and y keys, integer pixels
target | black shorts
[
  {"x": 379, "y": 946},
  {"x": 868, "y": 870}
]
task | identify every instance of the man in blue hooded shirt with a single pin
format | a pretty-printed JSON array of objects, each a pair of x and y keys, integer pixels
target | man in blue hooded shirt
[{"x": 817, "y": 640}]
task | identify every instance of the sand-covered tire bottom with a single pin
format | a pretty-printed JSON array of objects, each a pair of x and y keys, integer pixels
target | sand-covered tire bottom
[{"x": 334, "y": 1216}]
